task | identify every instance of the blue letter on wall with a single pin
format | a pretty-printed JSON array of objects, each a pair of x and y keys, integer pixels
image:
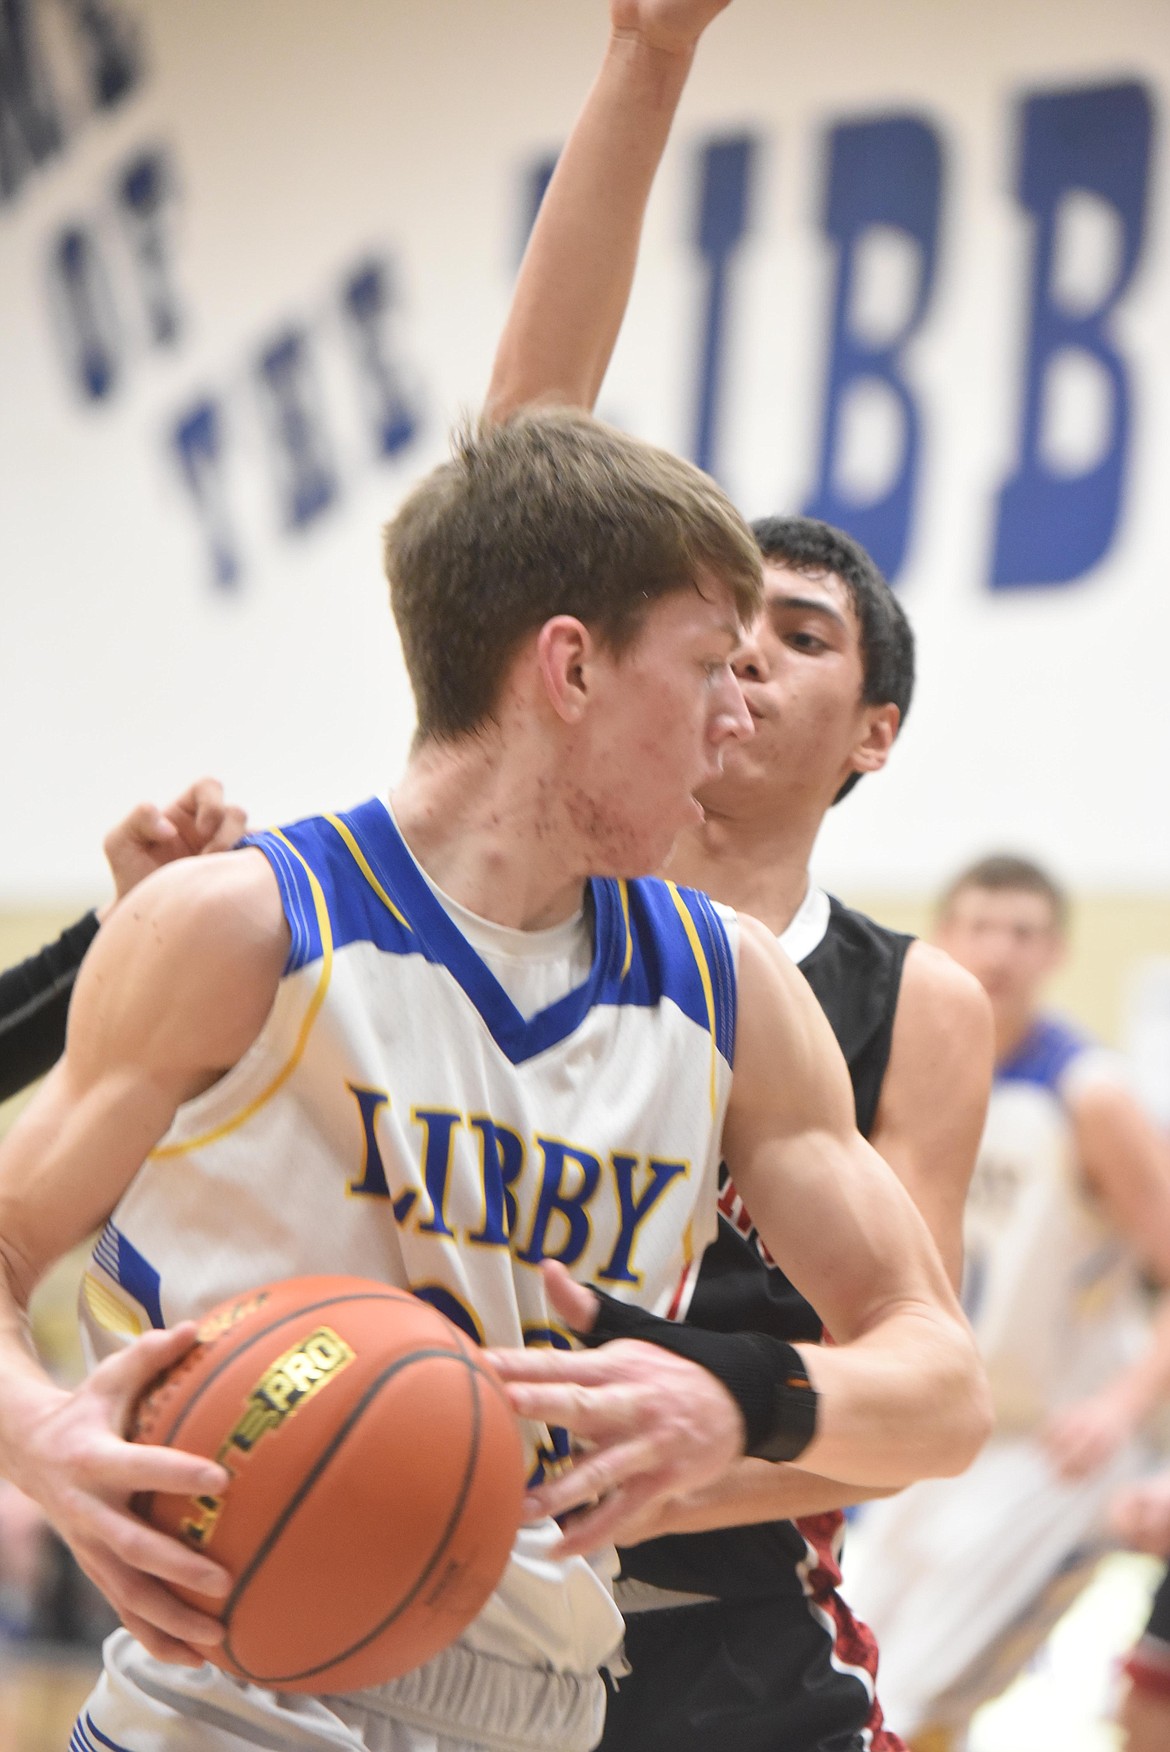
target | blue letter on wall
[
  {"x": 308, "y": 484},
  {"x": 198, "y": 441},
  {"x": 30, "y": 130},
  {"x": 883, "y": 175},
  {"x": 88, "y": 324},
  {"x": 722, "y": 223},
  {"x": 145, "y": 188},
  {"x": 1054, "y": 525},
  {"x": 367, "y": 300}
]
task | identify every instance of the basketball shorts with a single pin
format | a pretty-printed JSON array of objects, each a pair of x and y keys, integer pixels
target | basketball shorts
[
  {"x": 459, "y": 1702},
  {"x": 1148, "y": 1665},
  {"x": 759, "y": 1675},
  {"x": 961, "y": 1579}
]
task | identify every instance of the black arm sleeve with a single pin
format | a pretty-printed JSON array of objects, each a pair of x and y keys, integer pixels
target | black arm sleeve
[
  {"x": 764, "y": 1375},
  {"x": 34, "y": 1003}
]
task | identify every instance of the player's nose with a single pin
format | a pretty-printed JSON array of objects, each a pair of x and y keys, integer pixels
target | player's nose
[
  {"x": 731, "y": 720},
  {"x": 747, "y": 661}
]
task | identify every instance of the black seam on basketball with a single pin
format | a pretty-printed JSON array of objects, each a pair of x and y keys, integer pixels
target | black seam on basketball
[
  {"x": 243, "y": 1345},
  {"x": 474, "y": 1375}
]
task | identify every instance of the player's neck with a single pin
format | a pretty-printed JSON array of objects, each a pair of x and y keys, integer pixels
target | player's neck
[
  {"x": 488, "y": 836},
  {"x": 1012, "y": 1028},
  {"x": 757, "y": 867}
]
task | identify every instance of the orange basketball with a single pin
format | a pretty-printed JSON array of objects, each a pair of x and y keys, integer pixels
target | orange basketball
[{"x": 377, "y": 1479}]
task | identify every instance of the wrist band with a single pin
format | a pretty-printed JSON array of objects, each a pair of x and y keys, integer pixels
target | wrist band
[{"x": 764, "y": 1375}]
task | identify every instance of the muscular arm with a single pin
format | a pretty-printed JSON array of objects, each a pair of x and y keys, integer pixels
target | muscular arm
[
  {"x": 933, "y": 1102},
  {"x": 575, "y": 278},
  {"x": 175, "y": 989},
  {"x": 903, "y": 1394},
  {"x": 928, "y": 1125}
]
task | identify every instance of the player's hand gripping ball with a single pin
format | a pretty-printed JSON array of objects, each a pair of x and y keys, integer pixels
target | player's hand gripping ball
[{"x": 377, "y": 1479}]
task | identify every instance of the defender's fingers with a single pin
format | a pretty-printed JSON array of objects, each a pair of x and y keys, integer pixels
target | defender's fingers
[
  {"x": 596, "y": 1414},
  {"x": 593, "y": 1477},
  {"x": 575, "y": 1303},
  {"x": 615, "y": 1517},
  {"x": 231, "y": 827}
]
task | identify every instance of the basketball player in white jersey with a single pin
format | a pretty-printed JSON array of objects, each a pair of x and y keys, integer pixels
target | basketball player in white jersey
[
  {"x": 735, "y": 1631},
  {"x": 441, "y": 1042},
  {"x": 1071, "y": 1191}
]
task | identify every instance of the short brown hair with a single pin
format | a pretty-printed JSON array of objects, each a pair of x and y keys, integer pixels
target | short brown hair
[
  {"x": 549, "y": 513},
  {"x": 1004, "y": 871}
]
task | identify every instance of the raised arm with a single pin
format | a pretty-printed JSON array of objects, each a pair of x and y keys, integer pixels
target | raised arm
[
  {"x": 575, "y": 279},
  {"x": 175, "y": 989}
]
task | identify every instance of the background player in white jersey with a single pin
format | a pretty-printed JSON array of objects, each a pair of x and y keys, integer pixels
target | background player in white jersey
[
  {"x": 740, "y": 1635},
  {"x": 1071, "y": 1191},
  {"x": 309, "y": 1056}
]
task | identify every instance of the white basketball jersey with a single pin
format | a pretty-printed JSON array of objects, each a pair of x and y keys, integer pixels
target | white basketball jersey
[
  {"x": 398, "y": 1118},
  {"x": 1049, "y": 1285}
]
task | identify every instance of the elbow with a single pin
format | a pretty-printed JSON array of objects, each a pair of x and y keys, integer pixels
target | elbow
[{"x": 972, "y": 1414}]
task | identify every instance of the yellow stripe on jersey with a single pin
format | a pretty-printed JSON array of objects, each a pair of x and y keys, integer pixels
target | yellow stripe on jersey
[
  {"x": 359, "y": 859},
  {"x": 624, "y": 891},
  {"x": 109, "y": 1310},
  {"x": 302, "y": 1040},
  {"x": 704, "y": 975}
]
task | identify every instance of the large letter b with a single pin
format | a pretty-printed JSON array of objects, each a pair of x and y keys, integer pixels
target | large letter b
[{"x": 1084, "y": 165}]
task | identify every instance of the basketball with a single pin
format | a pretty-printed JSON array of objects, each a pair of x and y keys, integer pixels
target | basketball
[{"x": 377, "y": 1479}]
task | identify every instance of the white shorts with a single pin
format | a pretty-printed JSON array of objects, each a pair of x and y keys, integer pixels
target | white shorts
[
  {"x": 459, "y": 1702},
  {"x": 961, "y": 1579}
]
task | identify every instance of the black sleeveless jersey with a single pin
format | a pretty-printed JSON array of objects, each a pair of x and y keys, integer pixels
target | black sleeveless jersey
[{"x": 855, "y": 971}]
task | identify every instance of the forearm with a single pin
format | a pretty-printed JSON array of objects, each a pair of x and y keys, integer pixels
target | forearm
[
  {"x": 34, "y": 1005},
  {"x": 760, "y": 1490},
  {"x": 26, "y": 1391},
  {"x": 575, "y": 278},
  {"x": 907, "y": 1400}
]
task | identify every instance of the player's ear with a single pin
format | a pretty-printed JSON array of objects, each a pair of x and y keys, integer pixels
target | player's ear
[
  {"x": 879, "y": 727},
  {"x": 564, "y": 647}
]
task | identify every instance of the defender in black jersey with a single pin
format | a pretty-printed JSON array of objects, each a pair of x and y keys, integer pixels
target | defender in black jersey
[
  {"x": 769, "y": 1657},
  {"x": 737, "y": 1636}
]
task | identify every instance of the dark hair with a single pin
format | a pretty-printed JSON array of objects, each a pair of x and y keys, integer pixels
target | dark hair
[
  {"x": 886, "y": 639},
  {"x": 1007, "y": 871},
  {"x": 548, "y": 513}
]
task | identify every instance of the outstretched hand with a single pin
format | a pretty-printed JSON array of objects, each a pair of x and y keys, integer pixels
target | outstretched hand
[
  {"x": 651, "y": 1424},
  {"x": 84, "y": 1475},
  {"x": 674, "y": 25},
  {"x": 197, "y": 822}
]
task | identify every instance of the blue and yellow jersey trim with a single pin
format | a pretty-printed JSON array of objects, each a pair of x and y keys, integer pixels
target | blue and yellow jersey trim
[{"x": 653, "y": 942}]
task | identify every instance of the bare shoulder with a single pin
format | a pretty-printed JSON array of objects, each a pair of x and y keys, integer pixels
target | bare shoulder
[
  {"x": 786, "y": 1055},
  {"x": 937, "y": 993},
  {"x": 188, "y": 962},
  {"x": 943, "y": 1048}
]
